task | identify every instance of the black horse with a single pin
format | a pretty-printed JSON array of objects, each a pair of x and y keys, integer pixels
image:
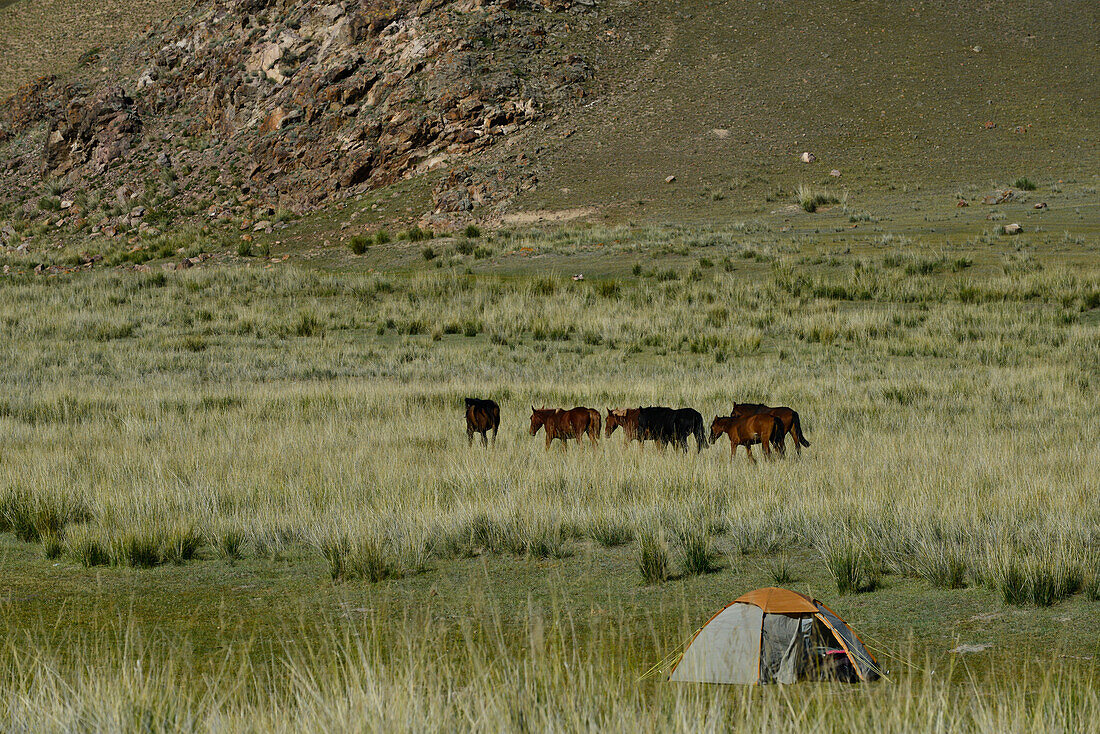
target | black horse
[
  {"x": 667, "y": 425},
  {"x": 482, "y": 416}
]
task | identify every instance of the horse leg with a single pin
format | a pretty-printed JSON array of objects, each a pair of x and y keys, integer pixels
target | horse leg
[
  {"x": 765, "y": 446},
  {"x": 485, "y": 438},
  {"x": 748, "y": 450},
  {"x": 549, "y": 440},
  {"x": 469, "y": 436},
  {"x": 495, "y": 436}
]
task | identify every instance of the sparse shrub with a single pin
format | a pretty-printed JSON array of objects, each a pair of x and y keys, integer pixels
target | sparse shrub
[
  {"x": 653, "y": 557},
  {"x": 49, "y": 204},
  {"x": 359, "y": 244},
  {"x": 1025, "y": 184},
  {"x": 472, "y": 231},
  {"x": 416, "y": 234},
  {"x": 381, "y": 237},
  {"x": 428, "y": 253}
]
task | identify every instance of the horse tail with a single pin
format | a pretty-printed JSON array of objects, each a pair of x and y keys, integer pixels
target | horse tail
[
  {"x": 597, "y": 419},
  {"x": 796, "y": 429},
  {"x": 700, "y": 433}
]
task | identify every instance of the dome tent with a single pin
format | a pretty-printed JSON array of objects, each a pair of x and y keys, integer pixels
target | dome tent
[{"x": 775, "y": 635}]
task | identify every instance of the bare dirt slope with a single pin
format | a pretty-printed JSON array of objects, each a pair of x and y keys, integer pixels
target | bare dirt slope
[{"x": 727, "y": 95}]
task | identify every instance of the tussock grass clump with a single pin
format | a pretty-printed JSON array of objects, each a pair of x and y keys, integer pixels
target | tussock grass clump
[
  {"x": 86, "y": 546},
  {"x": 810, "y": 198},
  {"x": 852, "y": 566},
  {"x": 136, "y": 547},
  {"x": 229, "y": 541},
  {"x": 942, "y": 565},
  {"x": 53, "y": 545},
  {"x": 1042, "y": 581},
  {"x": 653, "y": 557},
  {"x": 697, "y": 553},
  {"x": 181, "y": 544},
  {"x": 611, "y": 530},
  {"x": 780, "y": 570},
  {"x": 369, "y": 559},
  {"x": 472, "y": 231}
]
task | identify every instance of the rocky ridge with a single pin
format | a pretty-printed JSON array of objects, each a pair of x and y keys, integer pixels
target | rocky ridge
[{"x": 282, "y": 105}]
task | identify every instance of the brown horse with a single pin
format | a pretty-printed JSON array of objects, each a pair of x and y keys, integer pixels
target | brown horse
[
  {"x": 627, "y": 418},
  {"x": 482, "y": 416},
  {"x": 764, "y": 429},
  {"x": 566, "y": 424},
  {"x": 786, "y": 416}
]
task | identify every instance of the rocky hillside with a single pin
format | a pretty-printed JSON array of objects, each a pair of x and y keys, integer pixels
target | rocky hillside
[
  {"x": 237, "y": 115},
  {"x": 283, "y": 105}
]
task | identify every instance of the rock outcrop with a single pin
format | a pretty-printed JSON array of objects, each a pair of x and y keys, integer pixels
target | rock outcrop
[{"x": 298, "y": 103}]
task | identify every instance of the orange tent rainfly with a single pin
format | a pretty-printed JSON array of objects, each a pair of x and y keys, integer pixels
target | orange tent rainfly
[{"x": 775, "y": 636}]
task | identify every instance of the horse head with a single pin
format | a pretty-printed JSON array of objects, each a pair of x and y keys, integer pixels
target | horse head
[
  {"x": 537, "y": 419},
  {"x": 716, "y": 429}
]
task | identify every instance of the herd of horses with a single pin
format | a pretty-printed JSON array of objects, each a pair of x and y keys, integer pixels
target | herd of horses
[{"x": 746, "y": 425}]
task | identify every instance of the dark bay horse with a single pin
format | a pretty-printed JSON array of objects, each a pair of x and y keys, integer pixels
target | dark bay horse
[
  {"x": 666, "y": 425},
  {"x": 764, "y": 429},
  {"x": 566, "y": 424},
  {"x": 786, "y": 416},
  {"x": 482, "y": 416}
]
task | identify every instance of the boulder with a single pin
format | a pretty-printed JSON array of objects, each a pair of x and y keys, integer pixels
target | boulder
[
  {"x": 1012, "y": 229},
  {"x": 807, "y": 157},
  {"x": 98, "y": 130}
]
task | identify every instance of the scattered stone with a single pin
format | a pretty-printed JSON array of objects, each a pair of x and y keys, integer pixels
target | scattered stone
[
  {"x": 578, "y": 276},
  {"x": 261, "y": 226},
  {"x": 835, "y": 173},
  {"x": 1000, "y": 196},
  {"x": 962, "y": 203},
  {"x": 1041, "y": 205},
  {"x": 67, "y": 203},
  {"x": 976, "y": 49},
  {"x": 963, "y": 649},
  {"x": 669, "y": 179},
  {"x": 989, "y": 125},
  {"x": 808, "y": 157},
  {"x": 1011, "y": 229}
]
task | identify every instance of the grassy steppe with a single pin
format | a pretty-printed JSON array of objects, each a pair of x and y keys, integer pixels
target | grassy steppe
[{"x": 191, "y": 457}]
